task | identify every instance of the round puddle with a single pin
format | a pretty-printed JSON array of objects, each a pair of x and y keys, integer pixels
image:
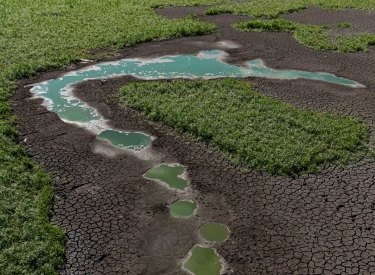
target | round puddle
[
  {"x": 214, "y": 232},
  {"x": 135, "y": 141},
  {"x": 169, "y": 175},
  {"x": 203, "y": 261},
  {"x": 181, "y": 209}
]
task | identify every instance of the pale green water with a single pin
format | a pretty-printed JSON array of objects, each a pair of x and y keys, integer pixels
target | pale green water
[
  {"x": 169, "y": 175},
  {"x": 203, "y": 261},
  {"x": 181, "y": 209},
  {"x": 214, "y": 232},
  {"x": 135, "y": 141},
  {"x": 207, "y": 64}
]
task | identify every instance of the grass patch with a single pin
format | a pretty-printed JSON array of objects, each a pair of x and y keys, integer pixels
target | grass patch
[
  {"x": 312, "y": 36},
  {"x": 219, "y": 10},
  {"x": 344, "y": 25},
  {"x": 275, "y": 8},
  {"x": 250, "y": 128}
]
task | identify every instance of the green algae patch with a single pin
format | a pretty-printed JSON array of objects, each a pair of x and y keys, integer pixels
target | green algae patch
[
  {"x": 135, "y": 141},
  {"x": 203, "y": 261},
  {"x": 181, "y": 209},
  {"x": 249, "y": 128},
  {"x": 214, "y": 232},
  {"x": 169, "y": 175}
]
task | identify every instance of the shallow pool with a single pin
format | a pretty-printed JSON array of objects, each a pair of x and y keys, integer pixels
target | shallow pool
[{"x": 59, "y": 98}]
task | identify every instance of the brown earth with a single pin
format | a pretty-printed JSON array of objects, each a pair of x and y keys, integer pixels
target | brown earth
[{"x": 117, "y": 222}]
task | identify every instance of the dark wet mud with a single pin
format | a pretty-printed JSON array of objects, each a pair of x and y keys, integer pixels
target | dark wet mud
[{"x": 118, "y": 222}]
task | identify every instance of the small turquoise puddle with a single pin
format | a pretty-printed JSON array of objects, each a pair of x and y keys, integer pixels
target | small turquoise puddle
[
  {"x": 169, "y": 175},
  {"x": 134, "y": 141},
  {"x": 214, "y": 232},
  {"x": 207, "y": 64},
  {"x": 181, "y": 209},
  {"x": 203, "y": 261}
]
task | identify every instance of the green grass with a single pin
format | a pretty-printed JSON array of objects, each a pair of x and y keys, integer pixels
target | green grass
[
  {"x": 39, "y": 35},
  {"x": 314, "y": 37},
  {"x": 249, "y": 128},
  {"x": 259, "y": 8},
  {"x": 274, "y": 8},
  {"x": 29, "y": 244}
]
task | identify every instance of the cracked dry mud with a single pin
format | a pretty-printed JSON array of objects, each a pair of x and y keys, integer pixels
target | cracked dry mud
[{"x": 118, "y": 222}]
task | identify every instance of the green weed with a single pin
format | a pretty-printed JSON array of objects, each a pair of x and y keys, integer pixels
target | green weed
[{"x": 249, "y": 128}]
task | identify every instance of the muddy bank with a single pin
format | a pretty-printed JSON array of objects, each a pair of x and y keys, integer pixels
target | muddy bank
[{"x": 119, "y": 223}]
